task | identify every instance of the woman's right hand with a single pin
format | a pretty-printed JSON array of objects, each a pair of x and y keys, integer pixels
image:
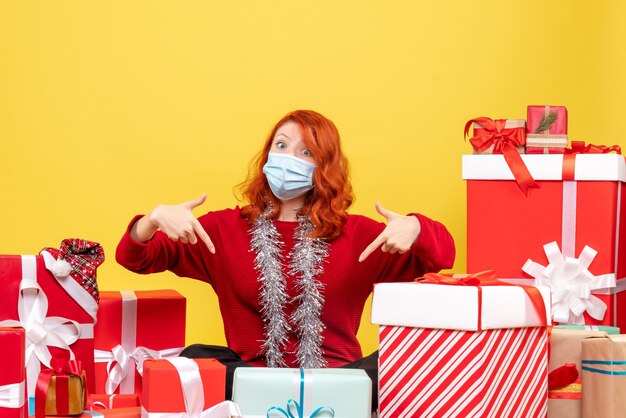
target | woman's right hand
[{"x": 176, "y": 221}]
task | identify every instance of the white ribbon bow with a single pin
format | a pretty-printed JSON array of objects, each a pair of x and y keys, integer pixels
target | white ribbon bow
[
  {"x": 121, "y": 364},
  {"x": 571, "y": 284},
  {"x": 41, "y": 331},
  {"x": 193, "y": 394},
  {"x": 12, "y": 396}
]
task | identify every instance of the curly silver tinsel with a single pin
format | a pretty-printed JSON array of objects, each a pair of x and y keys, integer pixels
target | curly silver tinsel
[
  {"x": 265, "y": 242},
  {"x": 306, "y": 263},
  {"x": 306, "y": 260}
]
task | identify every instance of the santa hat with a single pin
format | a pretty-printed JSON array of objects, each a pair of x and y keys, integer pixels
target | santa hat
[{"x": 79, "y": 259}]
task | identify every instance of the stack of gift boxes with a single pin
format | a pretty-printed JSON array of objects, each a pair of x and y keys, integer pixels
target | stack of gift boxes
[
  {"x": 540, "y": 215},
  {"x": 68, "y": 350}
]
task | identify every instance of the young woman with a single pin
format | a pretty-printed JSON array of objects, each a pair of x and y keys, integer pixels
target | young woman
[{"x": 292, "y": 269}]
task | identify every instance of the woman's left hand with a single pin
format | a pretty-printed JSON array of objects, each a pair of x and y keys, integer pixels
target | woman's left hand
[{"x": 401, "y": 232}]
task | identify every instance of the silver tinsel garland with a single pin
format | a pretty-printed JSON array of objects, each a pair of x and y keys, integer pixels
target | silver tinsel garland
[{"x": 305, "y": 264}]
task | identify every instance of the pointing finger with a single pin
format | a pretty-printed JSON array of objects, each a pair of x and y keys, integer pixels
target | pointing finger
[
  {"x": 204, "y": 237},
  {"x": 370, "y": 248}
]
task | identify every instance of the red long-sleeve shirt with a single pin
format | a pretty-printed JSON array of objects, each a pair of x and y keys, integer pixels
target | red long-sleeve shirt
[{"x": 347, "y": 282}]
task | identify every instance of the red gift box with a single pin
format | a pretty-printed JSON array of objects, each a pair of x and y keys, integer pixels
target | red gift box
[
  {"x": 98, "y": 401},
  {"x": 12, "y": 373},
  {"x": 61, "y": 390},
  {"x": 578, "y": 205},
  {"x": 506, "y": 137},
  {"x": 134, "y": 326},
  {"x": 182, "y": 385},
  {"x": 490, "y": 137},
  {"x": 56, "y": 308},
  {"x": 129, "y": 412},
  {"x": 467, "y": 351},
  {"x": 535, "y": 115},
  {"x": 546, "y": 130},
  {"x": 545, "y": 150}
]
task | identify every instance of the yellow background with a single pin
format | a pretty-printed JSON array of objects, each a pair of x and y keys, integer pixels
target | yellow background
[{"x": 108, "y": 108}]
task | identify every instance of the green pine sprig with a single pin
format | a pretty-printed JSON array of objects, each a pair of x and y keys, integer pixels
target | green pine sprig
[{"x": 546, "y": 122}]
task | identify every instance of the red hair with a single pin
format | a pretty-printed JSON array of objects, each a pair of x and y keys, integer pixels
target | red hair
[{"x": 328, "y": 202}]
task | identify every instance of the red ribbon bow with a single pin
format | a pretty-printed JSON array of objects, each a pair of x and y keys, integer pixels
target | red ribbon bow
[
  {"x": 62, "y": 365},
  {"x": 474, "y": 279},
  {"x": 61, "y": 368},
  {"x": 486, "y": 278},
  {"x": 579, "y": 147},
  {"x": 505, "y": 142}
]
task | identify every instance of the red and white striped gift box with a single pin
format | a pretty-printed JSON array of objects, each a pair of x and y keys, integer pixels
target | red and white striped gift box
[{"x": 460, "y": 351}]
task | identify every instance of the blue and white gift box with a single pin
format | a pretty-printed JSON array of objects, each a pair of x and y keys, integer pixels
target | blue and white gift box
[{"x": 263, "y": 392}]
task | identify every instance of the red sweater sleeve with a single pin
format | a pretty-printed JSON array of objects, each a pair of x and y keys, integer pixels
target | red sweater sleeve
[
  {"x": 434, "y": 246},
  {"x": 160, "y": 254},
  {"x": 432, "y": 251}
]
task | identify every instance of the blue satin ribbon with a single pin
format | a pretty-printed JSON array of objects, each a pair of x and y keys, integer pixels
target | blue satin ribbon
[
  {"x": 31, "y": 405},
  {"x": 299, "y": 407},
  {"x": 604, "y": 363}
]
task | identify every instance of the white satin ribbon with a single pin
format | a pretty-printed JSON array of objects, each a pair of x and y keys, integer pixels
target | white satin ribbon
[
  {"x": 12, "y": 396},
  {"x": 41, "y": 331},
  {"x": 568, "y": 218},
  {"x": 124, "y": 358},
  {"x": 571, "y": 284},
  {"x": 111, "y": 397},
  {"x": 193, "y": 394},
  {"x": 568, "y": 235},
  {"x": 102, "y": 405},
  {"x": 121, "y": 365}
]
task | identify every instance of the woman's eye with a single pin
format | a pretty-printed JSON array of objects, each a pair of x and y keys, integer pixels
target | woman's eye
[
  {"x": 306, "y": 152},
  {"x": 281, "y": 145}
]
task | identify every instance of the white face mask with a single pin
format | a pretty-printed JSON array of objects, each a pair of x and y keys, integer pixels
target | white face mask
[{"x": 288, "y": 176}]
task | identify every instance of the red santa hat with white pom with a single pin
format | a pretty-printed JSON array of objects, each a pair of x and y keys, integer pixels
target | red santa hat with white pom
[{"x": 79, "y": 259}]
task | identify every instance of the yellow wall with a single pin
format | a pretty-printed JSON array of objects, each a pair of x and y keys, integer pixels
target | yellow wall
[{"x": 108, "y": 108}]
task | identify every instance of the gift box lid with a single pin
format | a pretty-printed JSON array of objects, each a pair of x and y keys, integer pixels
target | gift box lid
[
  {"x": 604, "y": 354},
  {"x": 598, "y": 167},
  {"x": 141, "y": 316},
  {"x": 602, "y": 328},
  {"x": 437, "y": 306}
]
